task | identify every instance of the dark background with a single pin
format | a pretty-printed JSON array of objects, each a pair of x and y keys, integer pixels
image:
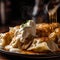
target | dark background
[{"x": 21, "y": 10}]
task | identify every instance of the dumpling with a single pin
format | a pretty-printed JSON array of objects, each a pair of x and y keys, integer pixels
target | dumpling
[
  {"x": 5, "y": 38},
  {"x": 55, "y": 36},
  {"x": 39, "y": 46}
]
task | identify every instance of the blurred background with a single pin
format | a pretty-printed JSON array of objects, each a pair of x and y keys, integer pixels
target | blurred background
[{"x": 15, "y": 12}]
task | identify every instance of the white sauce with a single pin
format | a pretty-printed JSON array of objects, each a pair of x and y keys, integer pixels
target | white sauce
[{"x": 28, "y": 29}]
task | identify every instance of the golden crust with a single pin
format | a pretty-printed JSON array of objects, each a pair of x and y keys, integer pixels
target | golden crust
[
  {"x": 45, "y": 29},
  {"x": 6, "y": 39}
]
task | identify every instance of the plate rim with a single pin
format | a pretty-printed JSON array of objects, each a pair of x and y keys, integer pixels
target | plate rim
[{"x": 51, "y": 55}]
